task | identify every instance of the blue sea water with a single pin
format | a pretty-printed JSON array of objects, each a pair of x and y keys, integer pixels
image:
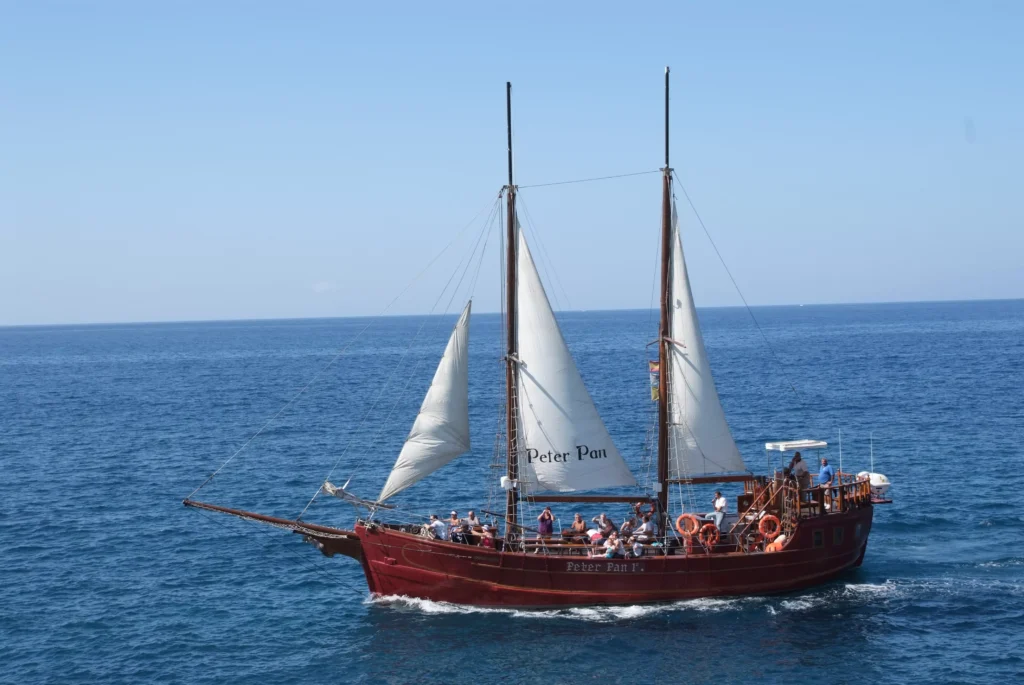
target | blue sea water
[{"x": 106, "y": 578}]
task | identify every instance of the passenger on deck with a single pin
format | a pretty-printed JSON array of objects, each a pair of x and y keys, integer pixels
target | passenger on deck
[
  {"x": 636, "y": 547},
  {"x": 626, "y": 531},
  {"x": 614, "y": 548},
  {"x": 605, "y": 525},
  {"x": 438, "y": 528},
  {"x": 473, "y": 521},
  {"x": 461, "y": 534},
  {"x": 718, "y": 515},
  {"x": 546, "y": 523},
  {"x": 487, "y": 539},
  {"x": 577, "y": 531},
  {"x": 826, "y": 475},
  {"x": 647, "y": 530},
  {"x": 798, "y": 467}
]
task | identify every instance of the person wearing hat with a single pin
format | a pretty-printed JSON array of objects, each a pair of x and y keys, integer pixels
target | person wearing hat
[
  {"x": 454, "y": 522},
  {"x": 487, "y": 539}
]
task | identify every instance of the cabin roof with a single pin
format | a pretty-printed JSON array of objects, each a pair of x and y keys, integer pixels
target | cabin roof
[{"x": 793, "y": 445}]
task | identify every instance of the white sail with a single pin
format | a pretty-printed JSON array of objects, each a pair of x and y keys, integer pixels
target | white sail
[
  {"x": 441, "y": 430},
  {"x": 699, "y": 438},
  {"x": 563, "y": 443}
]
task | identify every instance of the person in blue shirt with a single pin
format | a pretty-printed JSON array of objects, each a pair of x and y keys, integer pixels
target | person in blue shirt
[{"x": 826, "y": 475}]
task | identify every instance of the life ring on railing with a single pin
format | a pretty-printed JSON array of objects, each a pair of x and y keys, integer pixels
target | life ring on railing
[
  {"x": 640, "y": 505},
  {"x": 687, "y": 530},
  {"x": 775, "y": 529},
  {"x": 708, "y": 535}
]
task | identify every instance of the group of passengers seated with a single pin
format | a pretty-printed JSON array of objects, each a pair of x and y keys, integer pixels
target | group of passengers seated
[
  {"x": 602, "y": 537},
  {"x": 609, "y": 540},
  {"x": 468, "y": 531},
  {"x": 614, "y": 547}
]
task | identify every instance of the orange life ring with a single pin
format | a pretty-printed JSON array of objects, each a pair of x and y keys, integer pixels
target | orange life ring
[
  {"x": 640, "y": 505},
  {"x": 776, "y": 527},
  {"x": 708, "y": 535},
  {"x": 687, "y": 530}
]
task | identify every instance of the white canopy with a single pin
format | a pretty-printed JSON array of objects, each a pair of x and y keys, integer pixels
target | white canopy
[
  {"x": 795, "y": 445},
  {"x": 441, "y": 430},
  {"x": 563, "y": 443}
]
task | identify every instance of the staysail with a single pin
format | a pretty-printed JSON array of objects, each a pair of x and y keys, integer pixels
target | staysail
[
  {"x": 441, "y": 430},
  {"x": 700, "y": 441},
  {"x": 563, "y": 443}
]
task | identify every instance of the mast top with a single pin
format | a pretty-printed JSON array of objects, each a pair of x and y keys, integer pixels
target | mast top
[
  {"x": 508, "y": 121},
  {"x": 668, "y": 171}
]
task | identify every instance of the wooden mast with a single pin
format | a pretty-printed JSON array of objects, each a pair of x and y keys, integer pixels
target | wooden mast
[
  {"x": 511, "y": 392},
  {"x": 663, "y": 328}
]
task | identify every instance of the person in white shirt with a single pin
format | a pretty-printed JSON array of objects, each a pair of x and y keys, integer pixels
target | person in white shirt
[
  {"x": 637, "y": 547},
  {"x": 718, "y": 515},
  {"x": 605, "y": 524},
  {"x": 647, "y": 531},
  {"x": 438, "y": 527},
  {"x": 473, "y": 521},
  {"x": 798, "y": 467}
]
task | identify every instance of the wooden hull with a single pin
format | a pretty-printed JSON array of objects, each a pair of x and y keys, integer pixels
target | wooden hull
[{"x": 398, "y": 563}]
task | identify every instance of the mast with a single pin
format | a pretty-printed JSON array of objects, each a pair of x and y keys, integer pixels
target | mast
[
  {"x": 511, "y": 403},
  {"x": 663, "y": 328}
]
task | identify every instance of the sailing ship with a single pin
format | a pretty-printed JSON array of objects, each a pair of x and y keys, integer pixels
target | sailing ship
[{"x": 783, "y": 537}]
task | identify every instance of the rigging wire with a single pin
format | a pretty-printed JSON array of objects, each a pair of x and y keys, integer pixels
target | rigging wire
[
  {"x": 341, "y": 352},
  {"x": 383, "y": 391},
  {"x": 548, "y": 263},
  {"x": 740, "y": 292},
  {"x": 331, "y": 576},
  {"x": 588, "y": 180}
]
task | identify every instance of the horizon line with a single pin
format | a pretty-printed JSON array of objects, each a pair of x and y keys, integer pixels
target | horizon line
[{"x": 561, "y": 311}]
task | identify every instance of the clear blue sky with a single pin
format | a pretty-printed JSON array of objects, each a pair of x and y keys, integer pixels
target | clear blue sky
[{"x": 169, "y": 161}]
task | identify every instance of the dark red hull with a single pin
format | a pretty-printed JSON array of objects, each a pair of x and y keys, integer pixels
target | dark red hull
[{"x": 397, "y": 563}]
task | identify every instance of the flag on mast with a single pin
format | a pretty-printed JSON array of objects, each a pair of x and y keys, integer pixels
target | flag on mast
[{"x": 654, "y": 368}]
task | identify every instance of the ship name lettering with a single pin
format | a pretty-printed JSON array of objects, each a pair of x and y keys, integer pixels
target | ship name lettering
[
  {"x": 551, "y": 457},
  {"x": 610, "y": 566}
]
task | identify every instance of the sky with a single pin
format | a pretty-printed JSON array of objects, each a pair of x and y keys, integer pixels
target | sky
[{"x": 189, "y": 161}]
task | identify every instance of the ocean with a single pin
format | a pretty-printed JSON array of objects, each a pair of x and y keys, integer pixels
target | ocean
[{"x": 106, "y": 578}]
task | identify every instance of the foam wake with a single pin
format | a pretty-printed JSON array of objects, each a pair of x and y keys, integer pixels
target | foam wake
[{"x": 597, "y": 614}]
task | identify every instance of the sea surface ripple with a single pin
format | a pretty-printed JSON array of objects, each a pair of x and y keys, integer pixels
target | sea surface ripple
[{"x": 106, "y": 578}]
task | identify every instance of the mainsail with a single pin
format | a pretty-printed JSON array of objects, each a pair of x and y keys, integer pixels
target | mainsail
[
  {"x": 441, "y": 430},
  {"x": 563, "y": 443},
  {"x": 699, "y": 438}
]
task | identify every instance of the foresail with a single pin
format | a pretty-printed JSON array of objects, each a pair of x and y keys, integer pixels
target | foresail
[
  {"x": 441, "y": 430},
  {"x": 700, "y": 442},
  {"x": 563, "y": 443}
]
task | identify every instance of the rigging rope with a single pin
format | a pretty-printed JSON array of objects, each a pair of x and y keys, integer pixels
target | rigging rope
[
  {"x": 383, "y": 391},
  {"x": 341, "y": 352},
  {"x": 740, "y": 292},
  {"x": 329, "y": 575},
  {"x": 587, "y": 180},
  {"x": 546, "y": 262}
]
